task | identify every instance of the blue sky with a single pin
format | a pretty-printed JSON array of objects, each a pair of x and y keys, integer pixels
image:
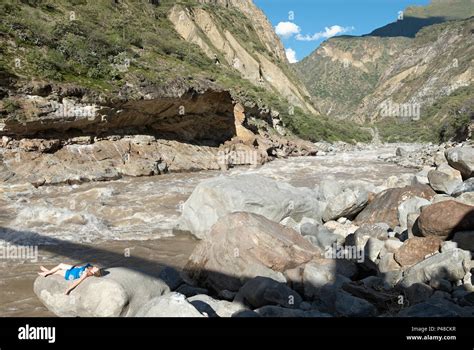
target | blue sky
[{"x": 304, "y": 24}]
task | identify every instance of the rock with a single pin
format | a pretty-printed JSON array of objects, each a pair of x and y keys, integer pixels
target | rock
[
  {"x": 384, "y": 207},
  {"x": 464, "y": 240},
  {"x": 411, "y": 205},
  {"x": 290, "y": 223},
  {"x": 121, "y": 292},
  {"x": 373, "y": 282},
  {"x": 392, "y": 277},
  {"x": 316, "y": 276},
  {"x": 462, "y": 159},
  {"x": 412, "y": 225},
  {"x": 261, "y": 291},
  {"x": 340, "y": 229},
  {"x": 447, "y": 246},
  {"x": 169, "y": 305},
  {"x": 399, "y": 181},
  {"x": 329, "y": 189},
  {"x": 226, "y": 295},
  {"x": 378, "y": 294},
  {"x": 451, "y": 265},
  {"x": 215, "y": 308},
  {"x": 276, "y": 311},
  {"x": 466, "y": 198},
  {"x": 190, "y": 291},
  {"x": 465, "y": 187},
  {"x": 415, "y": 249},
  {"x": 217, "y": 197},
  {"x": 392, "y": 245},
  {"x": 400, "y": 152},
  {"x": 246, "y": 314},
  {"x": 444, "y": 179},
  {"x": 446, "y": 218},
  {"x": 322, "y": 237},
  {"x": 421, "y": 177},
  {"x": 242, "y": 246},
  {"x": 418, "y": 293},
  {"x": 171, "y": 277},
  {"x": 441, "y": 284},
  {"x": 440, "y": 158},
  {"x": 387, "y": 263},
  {"x": 434, "y": 307},
  {"x": 372, "y": 248},
  {"x": 348, "y": 305},
  {"x": 310, "y": 228},
  {"x": 365, "y": 232},
  {"x": 347, "y": 204}
]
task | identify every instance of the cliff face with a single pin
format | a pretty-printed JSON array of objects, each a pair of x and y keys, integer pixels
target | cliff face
[
  {"x": 435, "y": 64},
  {"x": 259, "y": 59},
  {"x": 95, "y": 91},
  {"x": 260, "y": 23}
]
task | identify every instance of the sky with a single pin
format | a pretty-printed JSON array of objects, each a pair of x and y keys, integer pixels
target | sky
[{"x": 304, "y": 24}]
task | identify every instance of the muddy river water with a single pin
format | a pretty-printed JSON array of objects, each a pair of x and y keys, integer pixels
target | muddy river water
[{"x": 129, "y": 222}]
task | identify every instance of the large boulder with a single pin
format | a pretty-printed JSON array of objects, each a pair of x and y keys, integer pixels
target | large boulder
[
  {"x": 451, "y": 265},
  {"x": 169, "y": 305},
  {"x": 466, "y": 187},
  {"x": 346, "y": 204},
  {"x": 446, "y": 218},
  {"x": 348, "y": 305},
  {"x": 435, "y": 307},
  {"x": 216, "y": 308},
  {"x": 217, "y": 197},
  {"x": 121, "y": 292},
  {"x": 384, "y": 207},
  {"x": 465, "y": 240},
  {"x": 415, "y": 249},
  {"x": 316, "y": 275},
  {"x": 445, "y": 179},
  {"x": 410, "y": 206},
  {"x": 242, "y": 246},
  {"x": 462, "y": 159},
  {"x": 261, "y": 291}
]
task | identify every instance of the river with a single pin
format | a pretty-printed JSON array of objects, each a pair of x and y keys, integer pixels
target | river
[{"x": 129, "y": 222}]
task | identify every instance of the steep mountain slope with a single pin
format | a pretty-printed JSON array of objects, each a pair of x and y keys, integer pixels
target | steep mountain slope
[
  {"x": 417, "y": 17},
  {"x": 92, "y": 91},
  {"x": 373, "y": 77},
  {"x": 344, "y": 70}
]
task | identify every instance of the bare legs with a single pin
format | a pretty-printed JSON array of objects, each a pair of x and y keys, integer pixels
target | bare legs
[{"x": 58, "y": 270}]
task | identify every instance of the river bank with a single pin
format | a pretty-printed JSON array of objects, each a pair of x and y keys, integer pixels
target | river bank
[{"x": 140, "y": 214}]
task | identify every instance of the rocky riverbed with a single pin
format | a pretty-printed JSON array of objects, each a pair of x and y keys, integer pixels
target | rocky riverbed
[{"x": 273, "y": 259}]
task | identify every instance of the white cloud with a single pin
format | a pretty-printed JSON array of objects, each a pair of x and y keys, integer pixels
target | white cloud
[
  {"x": 327, "y": 33},
  {"x": 291, "y": 55},
  {"x": 287, "y": 29}
]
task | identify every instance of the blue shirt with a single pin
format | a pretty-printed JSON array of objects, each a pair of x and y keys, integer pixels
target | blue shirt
[{"x": 75, "y": 272}]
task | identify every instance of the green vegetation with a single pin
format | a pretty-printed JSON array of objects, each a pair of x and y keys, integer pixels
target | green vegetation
[
  {"x": 343, "y": 71},
  {"x": 89, "y": 44},
  {"x": 10, "y": 106},
  {"x": 448, "y": 118},
  {"x": 324, "y": 128}
]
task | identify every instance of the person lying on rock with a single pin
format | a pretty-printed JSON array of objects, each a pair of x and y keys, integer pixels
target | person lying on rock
[{"x": 72, "y": 273}]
